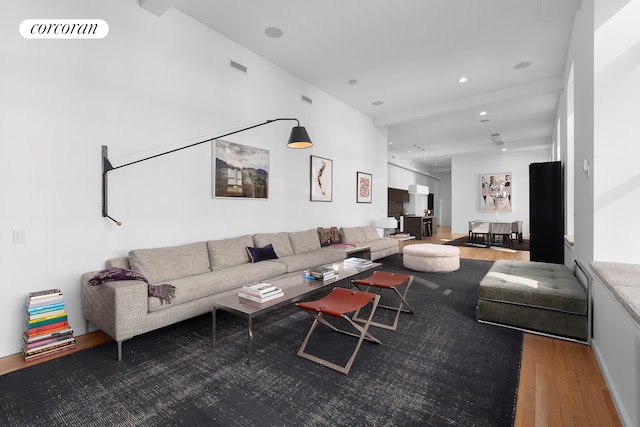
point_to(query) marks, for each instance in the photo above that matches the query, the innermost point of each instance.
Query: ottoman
(431, 258)
(537, 297)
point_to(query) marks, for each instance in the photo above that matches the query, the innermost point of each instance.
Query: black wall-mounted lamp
(299, 138)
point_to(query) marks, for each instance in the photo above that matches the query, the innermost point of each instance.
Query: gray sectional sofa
(368, 236)
(199, 272)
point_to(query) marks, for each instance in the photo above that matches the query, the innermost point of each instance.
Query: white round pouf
(431, 258)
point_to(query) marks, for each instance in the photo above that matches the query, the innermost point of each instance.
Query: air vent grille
(237, 66)
(306, 99)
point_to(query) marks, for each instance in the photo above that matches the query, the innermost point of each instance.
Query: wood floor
(560, 382)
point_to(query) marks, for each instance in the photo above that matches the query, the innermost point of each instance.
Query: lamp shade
(299, 138)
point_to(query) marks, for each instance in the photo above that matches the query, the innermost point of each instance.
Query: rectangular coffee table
(295, 289)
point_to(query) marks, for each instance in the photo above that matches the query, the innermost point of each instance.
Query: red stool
(338, 303)
(386, 280)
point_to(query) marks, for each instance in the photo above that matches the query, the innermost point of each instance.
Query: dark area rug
(440, 368)
(516, 245)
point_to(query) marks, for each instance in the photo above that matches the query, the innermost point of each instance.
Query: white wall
(150, 84)
(465, 182)
(604, 53)
(616, 189)
(581, 56)
(402, 177)
(445, 200)
(616, 177)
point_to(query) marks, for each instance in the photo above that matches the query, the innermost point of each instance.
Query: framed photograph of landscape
(363, 185)
(496, 192)
(321, 179)
(239, 171)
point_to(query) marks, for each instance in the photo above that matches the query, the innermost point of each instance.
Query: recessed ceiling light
(273, 32)
(390, 142)
(521, 65)
(462, 80)
(504, 149)
(483, 113)
(377, 103)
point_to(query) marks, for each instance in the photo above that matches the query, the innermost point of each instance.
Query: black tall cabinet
(546, 212)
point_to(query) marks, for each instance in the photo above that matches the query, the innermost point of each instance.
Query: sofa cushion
(261, 254)
(225, 253)
(304, 241)
(370, 233)
(121, 262)
(168, 263)
(280, 241)
(200, 286)
(352, 235)
(310, 259)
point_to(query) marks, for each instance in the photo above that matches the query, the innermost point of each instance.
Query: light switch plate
(19, 236)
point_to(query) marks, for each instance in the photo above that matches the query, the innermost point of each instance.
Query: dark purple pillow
(261, 254)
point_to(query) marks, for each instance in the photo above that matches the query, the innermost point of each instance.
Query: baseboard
(624, 417)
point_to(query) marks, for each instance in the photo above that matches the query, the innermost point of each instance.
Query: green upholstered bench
(537, 297)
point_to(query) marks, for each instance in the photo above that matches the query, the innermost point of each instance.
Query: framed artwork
(321, 179)
(496, 192)
(363, 192)
(239, 171)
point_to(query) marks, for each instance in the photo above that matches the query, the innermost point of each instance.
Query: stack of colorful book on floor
(319, 273)
(358, 264)
(48, 330)
(260, 292)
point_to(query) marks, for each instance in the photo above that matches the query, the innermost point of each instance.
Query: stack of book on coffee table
(260, 292)
(322, 274)
(358, 264)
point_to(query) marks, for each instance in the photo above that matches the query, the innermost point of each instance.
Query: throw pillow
(261, 254)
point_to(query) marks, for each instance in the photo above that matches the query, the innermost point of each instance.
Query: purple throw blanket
(163, 291)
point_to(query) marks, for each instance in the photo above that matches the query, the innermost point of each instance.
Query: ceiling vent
(237, 66)
(497, 139)
(306, 99)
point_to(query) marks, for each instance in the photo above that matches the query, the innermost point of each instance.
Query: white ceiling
(409, 54)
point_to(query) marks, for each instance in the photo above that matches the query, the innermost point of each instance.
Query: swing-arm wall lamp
(299, 138)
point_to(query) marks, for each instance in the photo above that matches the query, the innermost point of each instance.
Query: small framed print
(321, 179)
(363, 194)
